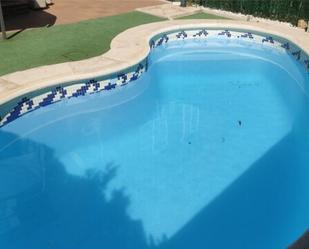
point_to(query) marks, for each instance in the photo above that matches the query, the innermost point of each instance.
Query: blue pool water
(208, 149)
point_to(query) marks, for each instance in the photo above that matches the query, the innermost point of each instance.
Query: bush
(283, 10)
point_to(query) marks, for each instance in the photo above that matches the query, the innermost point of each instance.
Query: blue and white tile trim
(90, 86)
(204, 34)
(25, 105)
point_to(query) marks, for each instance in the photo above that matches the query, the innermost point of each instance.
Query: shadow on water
(266, 207)
(41, 206)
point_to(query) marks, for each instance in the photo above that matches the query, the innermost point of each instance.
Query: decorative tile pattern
(201, 33)
(120, 79)
(247, 35)
(297, 54)
(182, 34)
(286, 46)
(270, 41)
(225, 32)
(26, 105)
(163, 39)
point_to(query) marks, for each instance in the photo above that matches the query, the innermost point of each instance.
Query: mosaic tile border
(58, 93)
(64, 91)
(267, 40)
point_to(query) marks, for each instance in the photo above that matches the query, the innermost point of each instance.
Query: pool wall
(28, 102)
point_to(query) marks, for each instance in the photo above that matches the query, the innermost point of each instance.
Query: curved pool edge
(127, 51)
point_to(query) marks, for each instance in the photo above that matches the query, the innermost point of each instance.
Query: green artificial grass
(202, 15)
(62, 43)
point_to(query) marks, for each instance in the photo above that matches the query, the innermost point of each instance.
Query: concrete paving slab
(170, 11)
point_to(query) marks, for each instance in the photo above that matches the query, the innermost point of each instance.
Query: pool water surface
(208, 149)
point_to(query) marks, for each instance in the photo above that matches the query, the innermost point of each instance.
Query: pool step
(302, 242)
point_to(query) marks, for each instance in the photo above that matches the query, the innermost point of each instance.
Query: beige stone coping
(127, 49)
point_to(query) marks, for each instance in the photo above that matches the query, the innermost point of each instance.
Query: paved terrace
(71, 11)
(170, 11)
(126, 50)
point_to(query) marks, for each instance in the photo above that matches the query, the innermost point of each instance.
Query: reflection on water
(44, 207)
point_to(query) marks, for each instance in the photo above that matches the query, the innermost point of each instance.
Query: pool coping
(127, 49)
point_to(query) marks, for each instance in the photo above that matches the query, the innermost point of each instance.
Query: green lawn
(61, 43)
(202, 15)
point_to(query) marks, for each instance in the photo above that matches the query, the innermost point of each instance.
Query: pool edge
(127, 51)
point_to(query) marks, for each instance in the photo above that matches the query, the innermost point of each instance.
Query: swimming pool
(207, 149)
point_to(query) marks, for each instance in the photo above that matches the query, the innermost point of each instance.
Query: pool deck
(71, 11)
(127, 49)
(170, 11)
